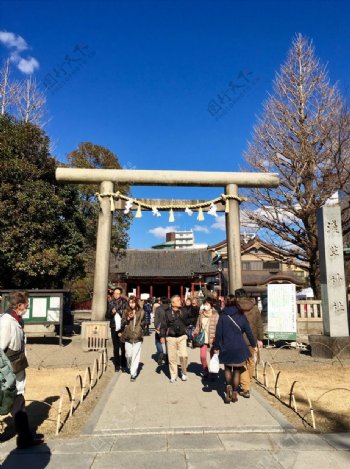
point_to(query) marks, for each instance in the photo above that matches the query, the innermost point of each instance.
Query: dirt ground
(327, 383)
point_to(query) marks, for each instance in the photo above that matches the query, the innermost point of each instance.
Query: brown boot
(228, 394)
(234, 397)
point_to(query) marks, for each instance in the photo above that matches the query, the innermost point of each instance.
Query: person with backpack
(12, 342)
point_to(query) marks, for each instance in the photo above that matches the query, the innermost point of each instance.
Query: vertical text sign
(281, 310)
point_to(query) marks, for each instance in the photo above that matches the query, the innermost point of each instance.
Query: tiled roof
(245, 246)
(163, 263)
(261, 277)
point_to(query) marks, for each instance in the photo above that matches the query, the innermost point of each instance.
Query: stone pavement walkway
(151, 423)
(153, 404)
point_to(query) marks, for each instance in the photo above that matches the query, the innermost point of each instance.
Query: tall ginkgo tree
(304, 135)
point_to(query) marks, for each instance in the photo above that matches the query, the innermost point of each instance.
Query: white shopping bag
(214, 365)
(118, 322)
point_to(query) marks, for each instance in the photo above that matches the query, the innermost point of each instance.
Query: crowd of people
(232, 329)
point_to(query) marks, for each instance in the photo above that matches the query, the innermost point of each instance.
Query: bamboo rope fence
(275, 390)
(83, 386)
(262, 378)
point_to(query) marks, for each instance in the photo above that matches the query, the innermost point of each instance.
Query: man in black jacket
(173, 330)
(115, 310)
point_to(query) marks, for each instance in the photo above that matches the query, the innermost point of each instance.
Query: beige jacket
(213, 320)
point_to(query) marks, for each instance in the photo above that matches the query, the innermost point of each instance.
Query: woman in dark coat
(229, 342)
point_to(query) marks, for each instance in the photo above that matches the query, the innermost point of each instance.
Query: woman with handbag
(204, 333)
(12, 342)
(230, 344)
(133, 324)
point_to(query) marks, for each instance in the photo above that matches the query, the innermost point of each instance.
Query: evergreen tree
(42, 231)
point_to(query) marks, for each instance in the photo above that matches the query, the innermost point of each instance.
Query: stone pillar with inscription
(333, 288)
(336, 341)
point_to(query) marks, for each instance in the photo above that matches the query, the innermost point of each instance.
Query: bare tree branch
(8, 88)
(31, 102)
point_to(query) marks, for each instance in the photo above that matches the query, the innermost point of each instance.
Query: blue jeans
(190, 330)
(159, 345)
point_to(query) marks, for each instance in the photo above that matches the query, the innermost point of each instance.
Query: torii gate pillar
(103, 252)
(232, 220)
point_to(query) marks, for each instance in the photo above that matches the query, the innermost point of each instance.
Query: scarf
(17, 317)
(207, 314)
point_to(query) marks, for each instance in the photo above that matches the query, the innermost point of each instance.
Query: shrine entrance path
(152, 404)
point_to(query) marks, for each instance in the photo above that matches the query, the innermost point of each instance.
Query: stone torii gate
(108, 177)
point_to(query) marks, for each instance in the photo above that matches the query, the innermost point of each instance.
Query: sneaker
(184, 377)
(132, 378)
(245, 394)
(173, 380)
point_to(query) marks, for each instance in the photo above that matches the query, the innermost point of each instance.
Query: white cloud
(13, 41)
(245, 222)
(17, 45)
(219, 224)
(203, 229)
(28, 65)
(161, 231)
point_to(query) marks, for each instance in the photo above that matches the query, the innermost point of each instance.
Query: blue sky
(150, 72)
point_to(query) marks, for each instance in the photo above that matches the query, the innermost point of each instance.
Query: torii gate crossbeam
(108, 177)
